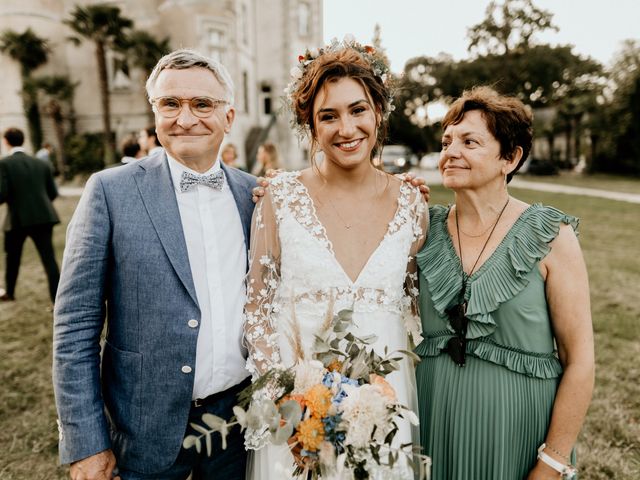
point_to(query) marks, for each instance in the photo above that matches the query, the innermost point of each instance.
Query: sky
(412, 28)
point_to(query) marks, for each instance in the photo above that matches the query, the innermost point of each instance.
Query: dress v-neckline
(484, 265)
(329, 244)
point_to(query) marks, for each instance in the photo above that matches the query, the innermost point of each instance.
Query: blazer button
(193, 323)
(186, 369)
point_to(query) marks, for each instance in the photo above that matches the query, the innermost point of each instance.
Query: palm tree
(144, 51)
(30, 51)
(103, 25)
(58, 91)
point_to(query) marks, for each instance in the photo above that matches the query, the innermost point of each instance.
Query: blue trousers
(228, 464)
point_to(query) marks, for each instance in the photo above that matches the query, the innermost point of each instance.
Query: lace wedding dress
(295, 278)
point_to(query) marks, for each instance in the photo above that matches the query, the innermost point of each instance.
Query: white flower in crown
(375, 58)
(349, 39)
(296, 73)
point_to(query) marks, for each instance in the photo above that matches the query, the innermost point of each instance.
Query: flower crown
(377, 60)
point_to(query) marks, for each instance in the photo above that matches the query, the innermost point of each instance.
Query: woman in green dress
(507, 358)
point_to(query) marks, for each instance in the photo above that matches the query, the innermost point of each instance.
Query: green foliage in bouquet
(336, 411)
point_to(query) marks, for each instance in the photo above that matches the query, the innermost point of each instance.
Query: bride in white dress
(340, 235)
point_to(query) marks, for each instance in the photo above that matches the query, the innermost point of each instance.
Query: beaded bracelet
(568, 471)
(553, 450)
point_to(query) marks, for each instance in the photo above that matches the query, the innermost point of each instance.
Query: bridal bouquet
(336, 411)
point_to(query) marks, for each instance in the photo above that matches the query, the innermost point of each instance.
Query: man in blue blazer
(158, 249)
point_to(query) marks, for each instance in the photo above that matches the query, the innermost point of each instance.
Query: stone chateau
(257, 40)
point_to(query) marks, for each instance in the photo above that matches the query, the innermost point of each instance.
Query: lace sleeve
(263, 279)
(420, 223)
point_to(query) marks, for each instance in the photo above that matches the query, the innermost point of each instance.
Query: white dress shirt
(217, 257)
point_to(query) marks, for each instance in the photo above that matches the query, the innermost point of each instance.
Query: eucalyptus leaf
(369, 339)
(207, 442)
(213, 421)
(224, 432)
(291, 412)
(199, 428)
(241, 416)
(410, 354)
(345, 316)
(283, 434)
(189, 441)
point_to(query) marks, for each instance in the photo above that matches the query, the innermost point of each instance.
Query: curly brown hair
(508, 119)
(330, 67)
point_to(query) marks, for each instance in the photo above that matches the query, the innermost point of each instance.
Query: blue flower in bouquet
(332, 434)
(339, 387)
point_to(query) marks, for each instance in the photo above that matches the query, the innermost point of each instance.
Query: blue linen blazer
(126, 262)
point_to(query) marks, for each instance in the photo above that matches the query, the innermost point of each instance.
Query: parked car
(539, 166)
(430, 161)
(395, 159)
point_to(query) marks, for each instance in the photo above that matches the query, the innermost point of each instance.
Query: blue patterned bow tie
(188, 180)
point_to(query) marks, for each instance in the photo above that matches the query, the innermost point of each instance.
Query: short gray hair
(185, 58)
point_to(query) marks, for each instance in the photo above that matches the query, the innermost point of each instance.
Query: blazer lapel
(156, 189)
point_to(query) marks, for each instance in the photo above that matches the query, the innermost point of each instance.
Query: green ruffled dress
(486, 420)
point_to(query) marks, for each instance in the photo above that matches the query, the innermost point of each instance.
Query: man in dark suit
(27, 186)
(158, 249)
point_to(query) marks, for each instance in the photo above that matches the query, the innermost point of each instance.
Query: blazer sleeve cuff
(82, 439)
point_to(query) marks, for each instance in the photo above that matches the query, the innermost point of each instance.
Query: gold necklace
(475, 236)
(344, 223)
(481, 234)
(493, 227)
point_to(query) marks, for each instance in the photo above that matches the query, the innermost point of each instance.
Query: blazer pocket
(122, 387)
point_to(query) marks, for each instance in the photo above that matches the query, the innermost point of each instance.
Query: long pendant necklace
(465, 278)
(457, 345)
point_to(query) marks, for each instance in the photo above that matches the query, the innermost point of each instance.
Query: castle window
(304, 19)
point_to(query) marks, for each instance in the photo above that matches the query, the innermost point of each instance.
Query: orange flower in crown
(375, 59)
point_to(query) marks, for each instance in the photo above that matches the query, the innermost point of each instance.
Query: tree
(618, 118)
(507, 27)
(31, 52)
(142, 50)
(58, 92)
(103, 25)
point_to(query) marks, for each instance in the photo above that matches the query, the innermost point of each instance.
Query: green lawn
(600, 181)
(609, 446)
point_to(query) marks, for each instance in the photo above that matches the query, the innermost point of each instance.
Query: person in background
(28, 188)
(507, 361)
(229, 155)
(130, 150)
(45, 153)
(267, 159)
(148, 141)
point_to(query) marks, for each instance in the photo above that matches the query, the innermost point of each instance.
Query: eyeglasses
(201, 107)
(457, 346)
